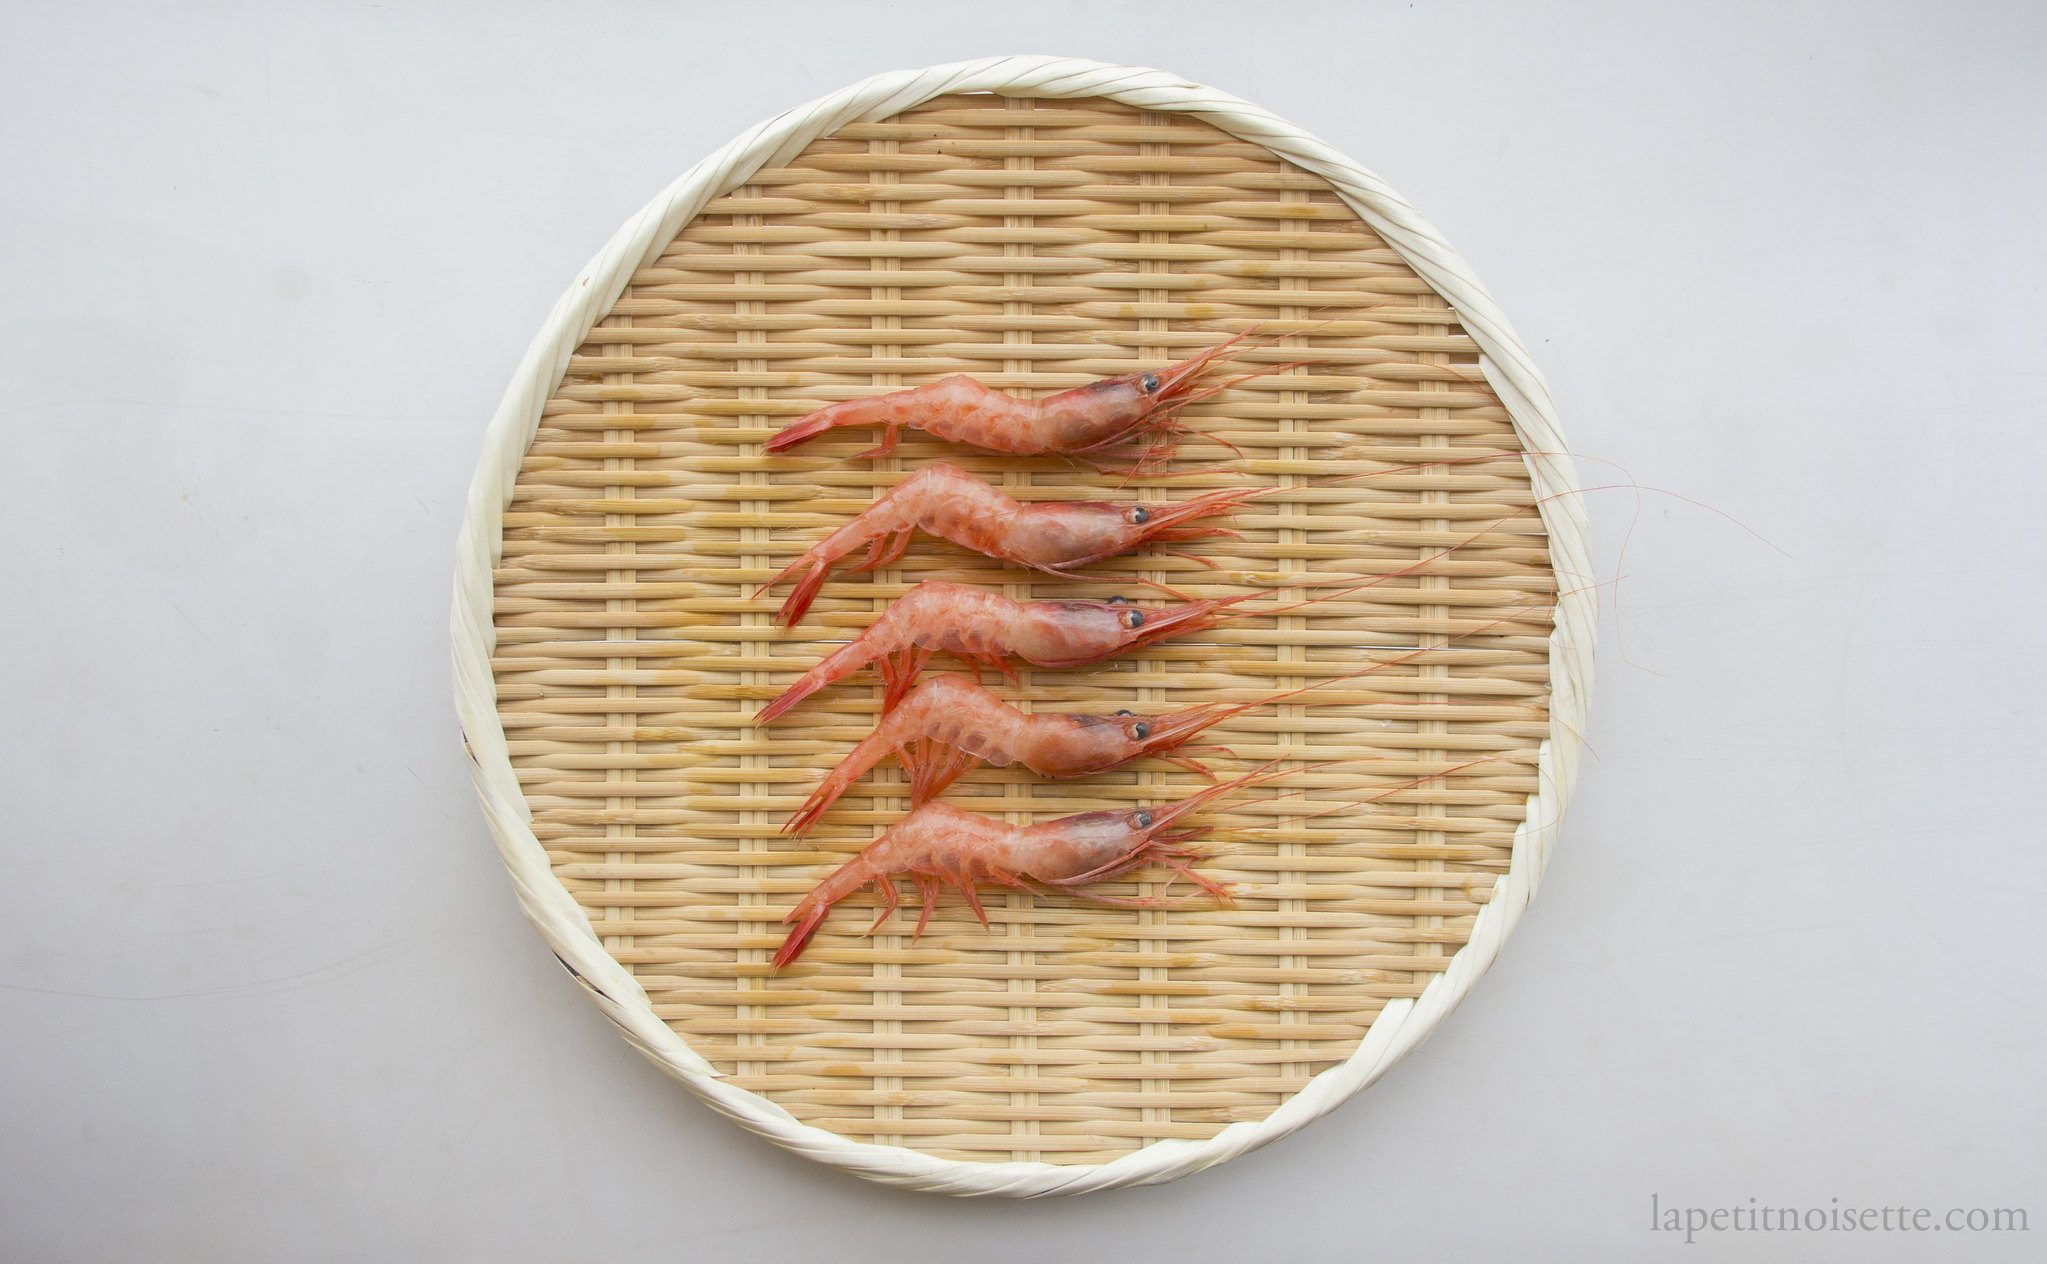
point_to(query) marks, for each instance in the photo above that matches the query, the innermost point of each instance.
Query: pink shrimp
(988, 629)
(1054, 536)
(947, 724)
(1080, 423)
(940, 843)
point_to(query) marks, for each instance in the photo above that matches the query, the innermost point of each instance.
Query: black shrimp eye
(1137, 618)
(1144, 820)
(1140, 730)
(1140, 515)
(1148, 383)
(1119, 601)
(1126, 713)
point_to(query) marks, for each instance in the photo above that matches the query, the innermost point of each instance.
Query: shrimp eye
(1143, 820)
(1126, 713)
(1140, 730)
(1119, 601)
(1136, 618)
(1148, 383)
(1140, 515)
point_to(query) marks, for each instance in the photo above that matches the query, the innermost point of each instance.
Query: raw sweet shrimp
(1079, 423)
(988, 629)
(1054, 537)
(944, 500)
(947, 724)
(939, 843)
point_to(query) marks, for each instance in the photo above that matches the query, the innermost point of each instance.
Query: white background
(264, 991)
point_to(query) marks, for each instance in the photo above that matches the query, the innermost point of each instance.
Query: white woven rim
(1403, 1024)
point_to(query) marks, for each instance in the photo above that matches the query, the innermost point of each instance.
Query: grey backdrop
(264, 992)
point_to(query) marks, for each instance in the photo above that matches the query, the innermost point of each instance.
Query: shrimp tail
(841, 663)
(810, 682)
(820, 800)
(864, 756)
(891, 412)
(798, 602)
(872, 750)
(800, 937)
(811, 910)
(800, 431)
(806, 590)
(899, 669)
(850, 412)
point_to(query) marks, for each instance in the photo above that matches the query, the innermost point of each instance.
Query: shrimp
(987, 629)
(1053, 537)
(947, 724)
(944, 500)
(1079, 423)
(940, 843)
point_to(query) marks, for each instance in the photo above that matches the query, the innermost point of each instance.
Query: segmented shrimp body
(1080, 422)
(987, 628)
(944, 500)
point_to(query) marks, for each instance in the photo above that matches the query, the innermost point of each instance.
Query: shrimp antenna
(1269, 771)
(1396, 660)
(1371, 798)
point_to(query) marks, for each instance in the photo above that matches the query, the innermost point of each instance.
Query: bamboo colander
(1038, 224)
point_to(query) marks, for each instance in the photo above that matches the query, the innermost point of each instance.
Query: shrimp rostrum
(1085, 422)
(1054, 536)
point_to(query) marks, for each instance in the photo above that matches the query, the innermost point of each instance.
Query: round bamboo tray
(1038, 223)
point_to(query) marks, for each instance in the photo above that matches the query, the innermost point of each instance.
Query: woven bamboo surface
(1036, 245)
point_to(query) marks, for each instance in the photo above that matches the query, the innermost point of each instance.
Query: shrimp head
(1077, 744)
(1070, 633)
